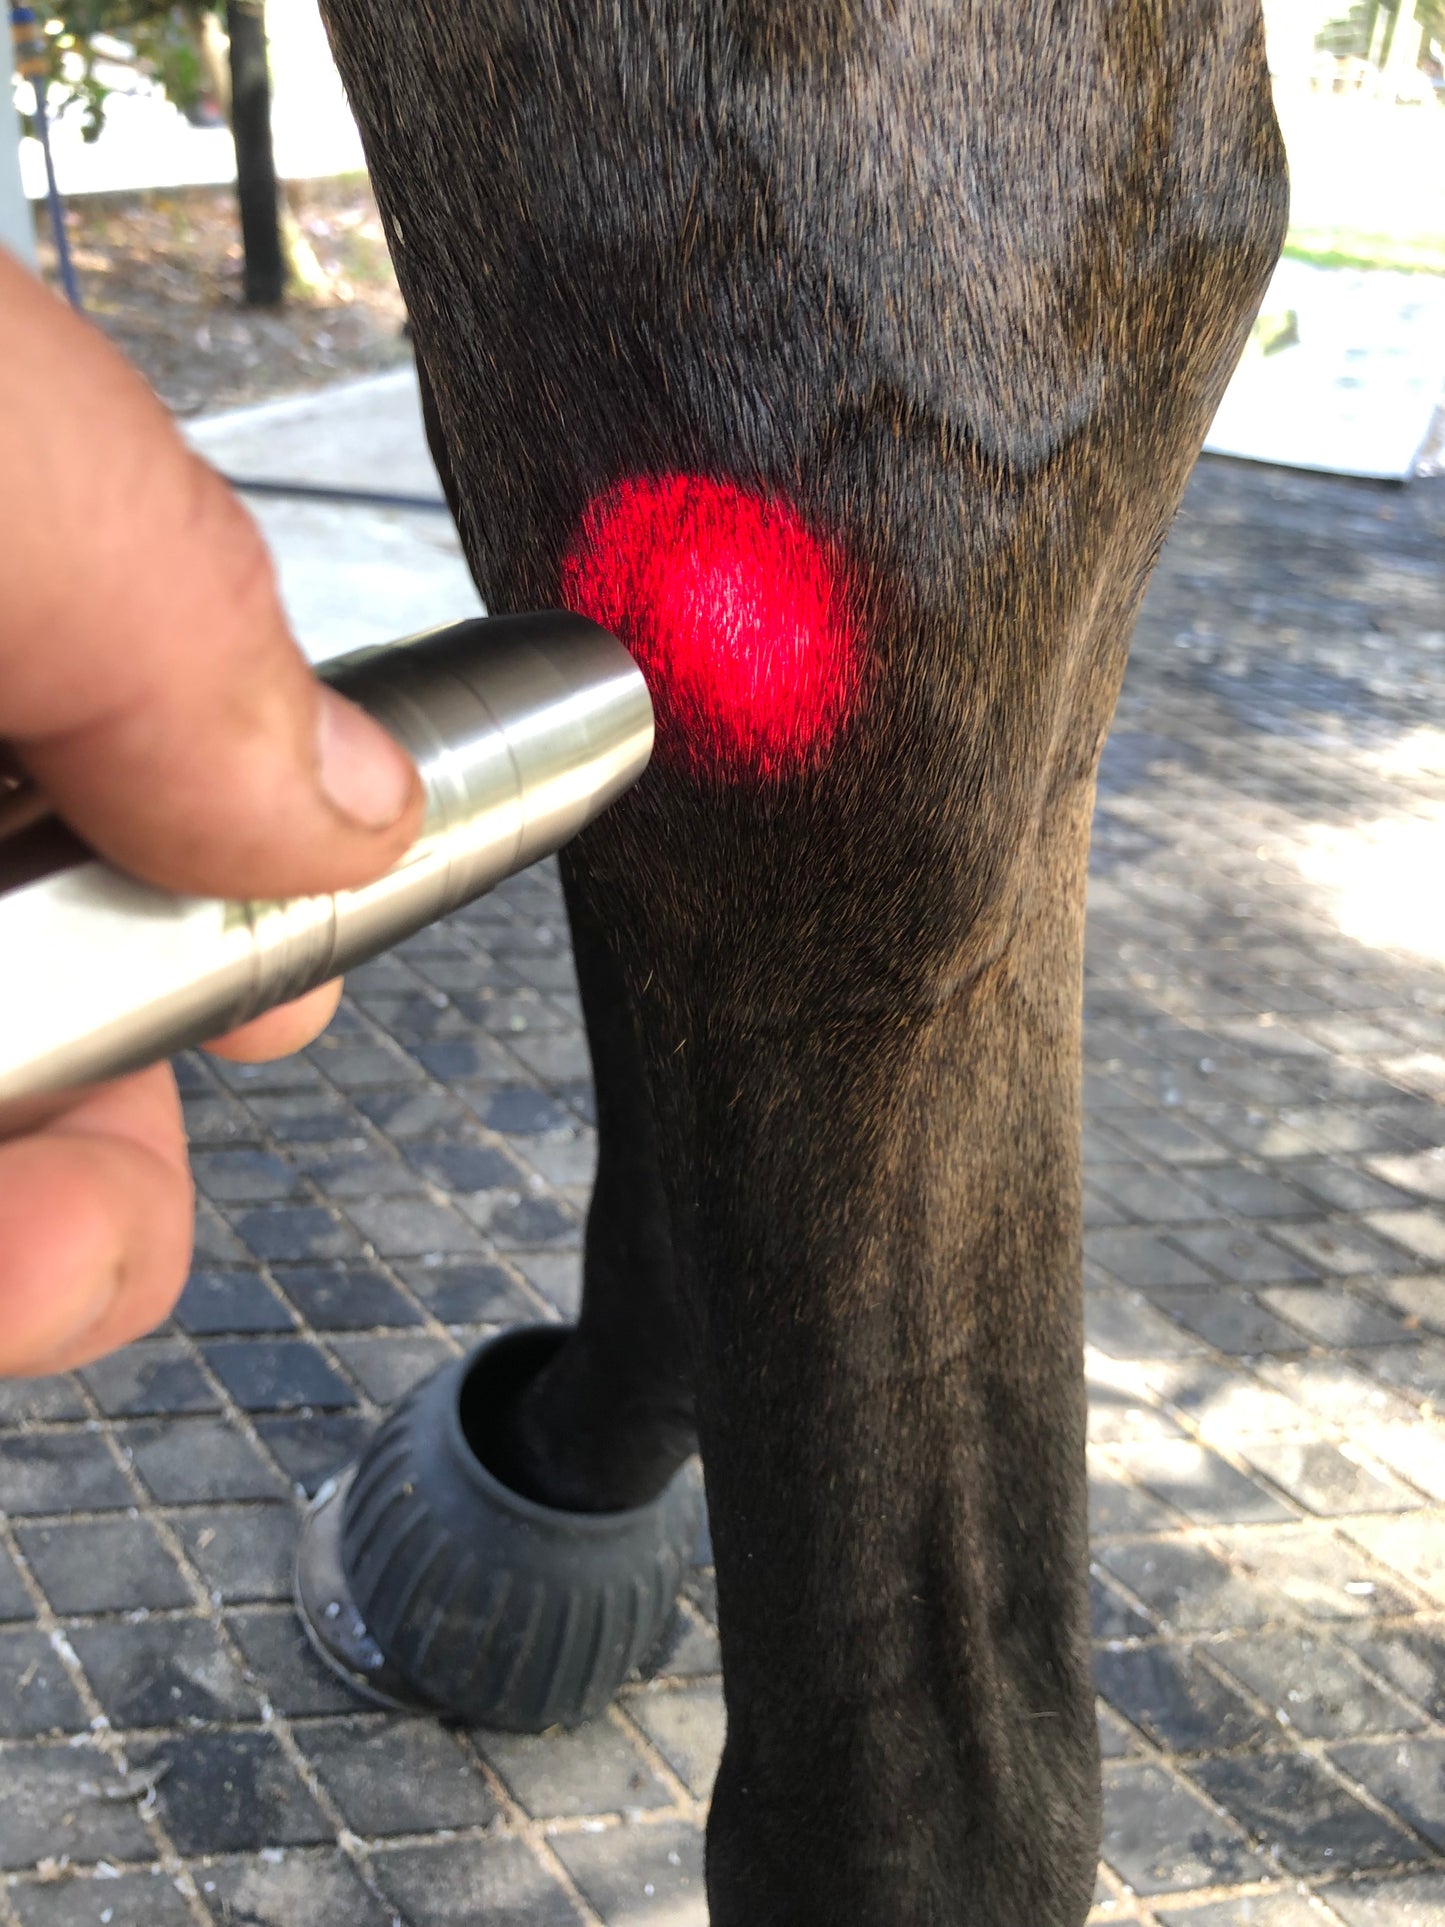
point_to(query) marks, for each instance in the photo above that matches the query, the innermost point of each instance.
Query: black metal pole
(30, 63)
(265, 266)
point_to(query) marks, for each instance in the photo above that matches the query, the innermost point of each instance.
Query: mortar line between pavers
(109, 1740)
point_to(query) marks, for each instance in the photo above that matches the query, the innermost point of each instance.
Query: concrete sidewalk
(1266, 1280)
(349, 575)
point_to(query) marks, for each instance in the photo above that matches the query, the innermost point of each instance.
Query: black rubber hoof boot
(428, 1584)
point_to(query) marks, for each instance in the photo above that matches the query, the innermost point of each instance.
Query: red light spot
(737, 614)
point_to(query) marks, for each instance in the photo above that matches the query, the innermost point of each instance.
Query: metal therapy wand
(523, 728)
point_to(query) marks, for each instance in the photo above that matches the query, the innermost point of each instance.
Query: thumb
(148, 679)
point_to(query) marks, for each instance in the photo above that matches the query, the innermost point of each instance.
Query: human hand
(150, 687)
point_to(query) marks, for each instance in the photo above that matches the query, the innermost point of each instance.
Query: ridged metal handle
(523, 728)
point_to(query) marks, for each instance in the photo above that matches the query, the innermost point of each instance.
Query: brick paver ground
(1266, 1269)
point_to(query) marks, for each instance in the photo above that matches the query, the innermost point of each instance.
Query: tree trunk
(265, 268)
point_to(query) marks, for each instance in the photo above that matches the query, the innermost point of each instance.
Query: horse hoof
(428, 1585)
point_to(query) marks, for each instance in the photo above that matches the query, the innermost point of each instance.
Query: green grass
(1351, 248)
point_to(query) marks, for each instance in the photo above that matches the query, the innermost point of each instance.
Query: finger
(290, 1027)
(147, 675)
(95, 1226)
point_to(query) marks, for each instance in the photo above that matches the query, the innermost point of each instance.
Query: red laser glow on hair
(738, 615)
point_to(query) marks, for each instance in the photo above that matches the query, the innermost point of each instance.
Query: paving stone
(103, 1566)
(1244, 1257)
(367, 1067)
(230, 1792)
(463, 1166)
(294, 1889)
(1176, 1700)
(213, 1241)
(286, 1670)
(162, 1672)
(157, 1375)
(1290, 1803)
(1412, 1545)
(461, 1882)
(1318, 1573)
(1169, 1138)
(1416, 1901)
(1116, 1738)
(346, 1297)
(1421, 1233)
(15, 1601)
(1421, 1171)
(1321, 1478)
(596, 1768)
(1408, 1776)
(245, 1176)
(1420, 1297)
(1224, 1402)
(216, 1302)
(391, 1775)
(311, 1448)
(686, 1727)
(406, 1115)
(1341, 1249)
(41, 1401)
(388, 1367)
(1333, 1317)
(280, 1074)
(218, 1122)
(184, 1461)
(356, 1168)
(1190, 1588)
(1412, 1658)
(36, 1694)
(530, 1113)
(294, 1233)
(318, 1117)
(413, 1228)
(1160, 1837)
(1245, 1910)
(1112, 1617)
(1138, 1257)
(636, 1877)
(465, 1060)
(1250, 1194)
(117, 1900)
(1153, 1196)
(1417, 1368)
(277, 1374)
(1117, 1506)
(1313, 1685)
(1126, 1325)
(556, 1276)
(1231, 1321)
(242, 1552)
(1344, 1187)
(1198, 1483)
(1334, 1392)
(568, 1162)
(59, 1472)
(525, 1223)
(63, 1799)
(459, 1293)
